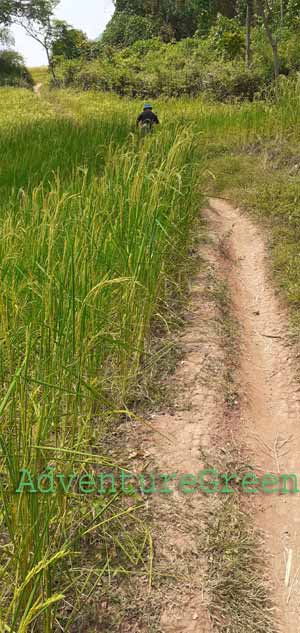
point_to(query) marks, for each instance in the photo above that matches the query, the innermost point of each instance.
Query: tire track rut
(268, 377)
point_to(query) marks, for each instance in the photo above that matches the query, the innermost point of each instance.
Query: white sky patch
(91, 16)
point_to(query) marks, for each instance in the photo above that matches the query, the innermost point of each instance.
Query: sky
(91, 16)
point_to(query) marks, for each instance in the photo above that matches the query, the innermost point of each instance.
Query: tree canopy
(66, 41)
(183, 17)
(10, 10)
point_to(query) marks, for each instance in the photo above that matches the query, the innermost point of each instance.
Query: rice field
(96, 225)
(94, 228)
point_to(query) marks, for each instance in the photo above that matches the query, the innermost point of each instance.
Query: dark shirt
(147, 115)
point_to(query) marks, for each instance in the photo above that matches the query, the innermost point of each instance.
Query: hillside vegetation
(226, 50)
(153, 68)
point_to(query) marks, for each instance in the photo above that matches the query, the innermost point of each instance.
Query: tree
(12, 9)
(7, 9)
(267, 16)
(66, 41)
(180, 18)
(6, 38)
(35, 17)
(249, 18)
(227, 37)
(126, 28)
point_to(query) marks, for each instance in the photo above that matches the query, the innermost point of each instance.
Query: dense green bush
(13, 71)
(214, 64)
(233, 80)
(228, 37)
(152, 68)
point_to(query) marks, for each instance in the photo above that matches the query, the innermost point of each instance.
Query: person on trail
(147, 118)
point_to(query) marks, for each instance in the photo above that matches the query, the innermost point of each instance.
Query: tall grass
(95, 225)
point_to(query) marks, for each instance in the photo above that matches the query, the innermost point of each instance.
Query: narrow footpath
(268, 378)
(200, 426)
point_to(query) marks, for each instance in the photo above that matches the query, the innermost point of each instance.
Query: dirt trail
(37, 89)
(179, 444)
(270, 398)
(200, 425)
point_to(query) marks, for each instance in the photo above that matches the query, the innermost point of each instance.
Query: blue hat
(147, 106)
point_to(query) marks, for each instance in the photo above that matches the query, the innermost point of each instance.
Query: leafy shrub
(214, 65)
(167, 71)
(227, 37)
(13, 71)
(289, 52)
(292, 16)
(233, 80)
